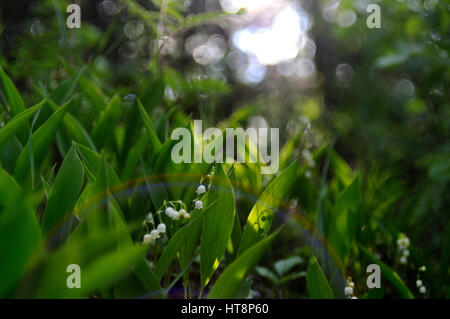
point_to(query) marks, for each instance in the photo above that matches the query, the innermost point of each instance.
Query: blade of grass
(176, 241)
(316, 282)
(234, 275)
(217, 225)
(262, 213)
(390, 275)
(41, 141)
(19, 122)
(65, 191)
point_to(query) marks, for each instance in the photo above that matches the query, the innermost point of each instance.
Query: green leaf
(107, 121)
(292, 276)
(217, 226)
(20, 121)
(95, 162)
(316, 282)
(155, 142)
(177, 240)
(390, 275)
(20, 237)
(155, 188)
(9, 189)
(90, 90)
(266, 273)
(40, 143)
(65, 88)
(108, 268)
(134, 155)
(345, 219)
(75, 128)
(341, 169)
(12, 94)
(67, 187)
(262, 213)
(234, 275)
(101, 261)
(284, 265)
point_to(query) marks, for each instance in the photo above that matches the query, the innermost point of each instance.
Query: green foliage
(317, 284)
(86, 174)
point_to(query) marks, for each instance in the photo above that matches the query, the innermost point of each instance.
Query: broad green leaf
(217, 225)
(341, 169)
(14, 99)
(65, 191)
(109, 268)
(20, 121)
(156, 144)
(162, 127)
(90, 90)
(155, 188)
(102, 131)
(262, 213)
(284, 265)
(267, 273)
(94, 162)
(345, 219)
(9, 188)
(390, 275)
(177, 240)
(40, 143)
(316, 282)
(136, 152)
(292, 276)
(65, 88)
(10, 153)
(101, 262)
(234, 275)
(75, 128)
(20, 237)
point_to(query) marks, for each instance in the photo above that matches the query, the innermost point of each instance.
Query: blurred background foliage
(314, 69)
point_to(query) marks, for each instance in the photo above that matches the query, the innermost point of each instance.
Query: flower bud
(201, 190)
(403, 260)
(161, 228)
(176, 215)
(348, 291)
(147, 239)
(170, 212)
(198, 204)
(154, 234)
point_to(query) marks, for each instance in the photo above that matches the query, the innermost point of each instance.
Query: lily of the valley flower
(348, 291)
(198, 204)
(201, 190)
(170, 212)
(154, 234)
(147, 239)
(161, 228)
